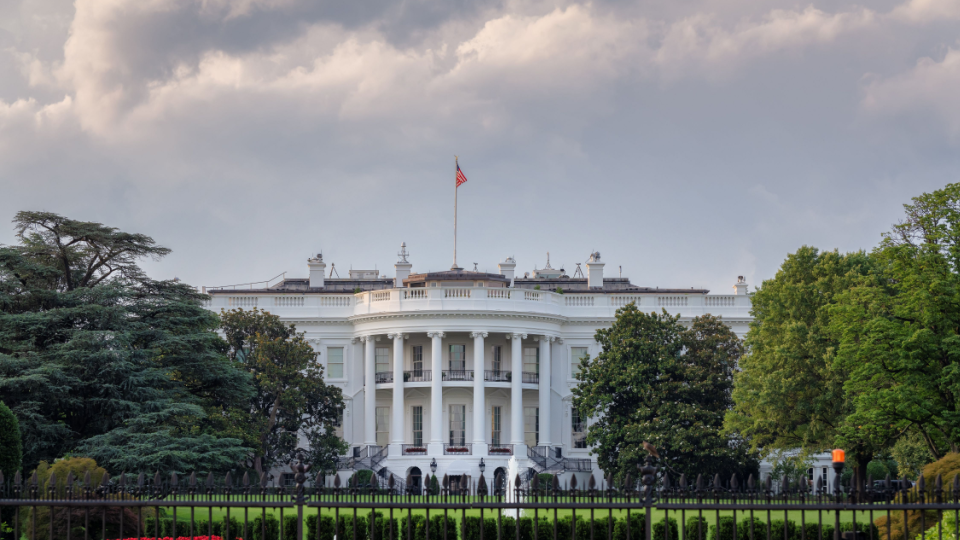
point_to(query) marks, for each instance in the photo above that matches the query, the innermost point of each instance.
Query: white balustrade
(533, 296)
(288, 301)
(456, 293)
(672, 301)
(414, 294)
(578, 301)
(501, 294)
(242, 301)
(335, 301)
(620, 300)
(719, 301)
(380, 296)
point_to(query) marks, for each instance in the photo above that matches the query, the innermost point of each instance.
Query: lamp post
(838, 458)
(433, 466)
(482, 465)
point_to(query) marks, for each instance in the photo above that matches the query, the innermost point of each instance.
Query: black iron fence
(658, 507)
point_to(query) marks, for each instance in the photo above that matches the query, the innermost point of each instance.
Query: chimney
(740, 287)
(402, 267)
(507, 267)
(595, 271)
(316, 266)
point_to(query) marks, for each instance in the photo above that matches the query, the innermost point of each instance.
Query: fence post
(300, 470)
(649, 473)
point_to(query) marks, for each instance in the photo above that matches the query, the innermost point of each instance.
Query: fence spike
(174, 479)
(86, 478)
(392, 481)
(228, 481)
(556, 482)
(336, 481)
(446, 482)
(886, 482)
(106, 479)
(820, 483)
(156, 479)
(123, 480)
(17, 480)
(463, 482)
(869, 481)
(209, 479)
(610, 481)
(627, 484)
(573, 482)
(481, 484)
(535, 483)
(1, 479)
(140, 480)
(666, 481)
(192, 481)
(319, 482)
(516, 481)
(592, 483)
(785, 484)
(768, 483)
(734, 483)
(716, 481)
(751, 482)
(938, 483)
(246, 478)
(356, 480)
(956, 484)
(373, 482)
(52, 481)
(264, 480)
(33, 479)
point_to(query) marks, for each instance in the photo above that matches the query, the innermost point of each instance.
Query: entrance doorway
(416, 480)
(499, 480)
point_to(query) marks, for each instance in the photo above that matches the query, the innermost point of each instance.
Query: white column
(396, 430)
(436, 393)
(369, 392)
(545, 417)
(479, 403)
(516, 391)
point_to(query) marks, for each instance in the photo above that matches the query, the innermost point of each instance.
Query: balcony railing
(458, 375)
(417, 375)
(530, 377)
(384, 377)
(413, 449)
(500, 450)
(465, 449)
(496, 375)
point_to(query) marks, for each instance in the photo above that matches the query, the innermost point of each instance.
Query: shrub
(345, 528)
(289, 528)
(697, 528)
(434, 485)
(472, 529)
(320, 527)
(659, 530)
(261, 529)
(948, 529)
(437, 524)
(947, 467)
(417, 524)
(637, 530)
(109, 516)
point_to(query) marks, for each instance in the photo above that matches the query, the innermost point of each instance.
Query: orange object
(839, 456)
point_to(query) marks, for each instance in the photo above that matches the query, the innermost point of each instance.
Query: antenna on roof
(475, 267)
(621, 270)
(578, 272)
(333, 269)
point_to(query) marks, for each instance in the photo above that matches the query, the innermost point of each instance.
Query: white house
(460, 367)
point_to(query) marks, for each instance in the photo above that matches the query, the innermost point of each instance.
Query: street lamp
(433, 466)
(482, 465)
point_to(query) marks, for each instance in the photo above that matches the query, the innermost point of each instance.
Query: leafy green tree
(11, 449)
(793, 465)
(98, 359)
(911, 454)
(657, 381)
(899, 333)
(788, 393)
(291, 401)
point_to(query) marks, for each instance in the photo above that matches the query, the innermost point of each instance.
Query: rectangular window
(417, 425)
(578, 428)
(531, 426)
(383, 359)
(418, 360)
(335, 362)
(458, 357)
(497, 358)
(577, 354)
(495, 422)
(531, 359)
(458, 425)
(383, 426)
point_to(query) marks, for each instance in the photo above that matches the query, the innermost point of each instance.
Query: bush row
(699, 528)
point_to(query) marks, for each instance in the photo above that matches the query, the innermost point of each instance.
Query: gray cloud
(689, 142)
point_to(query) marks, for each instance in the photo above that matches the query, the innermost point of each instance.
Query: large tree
(294, 413)
(97, 358)
(788, 393)
(658, 381)
(900, 334)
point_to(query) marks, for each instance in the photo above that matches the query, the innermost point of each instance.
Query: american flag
(460, 177)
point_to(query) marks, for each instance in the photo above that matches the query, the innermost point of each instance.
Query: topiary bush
(947, 467)
(260, 528)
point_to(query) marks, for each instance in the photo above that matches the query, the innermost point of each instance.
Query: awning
(459, 467)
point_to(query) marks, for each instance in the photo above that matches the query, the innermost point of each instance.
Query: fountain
(513, 469)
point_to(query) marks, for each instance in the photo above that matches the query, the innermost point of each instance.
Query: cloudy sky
(688, 141)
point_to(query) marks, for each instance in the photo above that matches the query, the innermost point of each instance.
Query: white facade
(457, 366)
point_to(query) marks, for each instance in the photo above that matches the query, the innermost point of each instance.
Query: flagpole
(456, 164)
